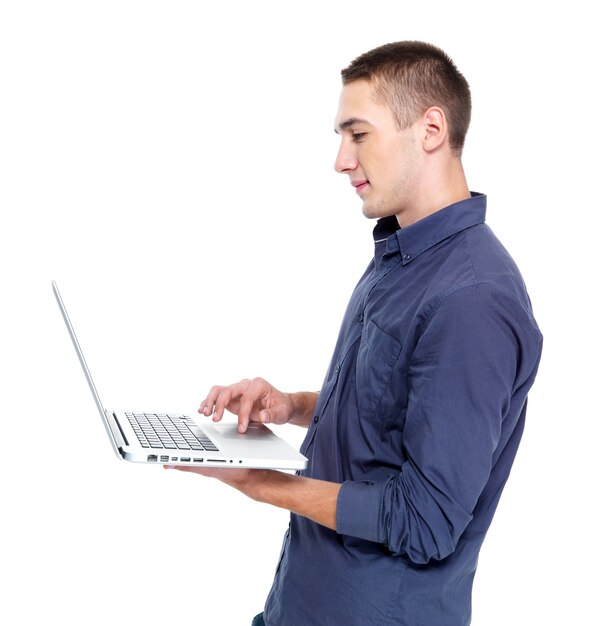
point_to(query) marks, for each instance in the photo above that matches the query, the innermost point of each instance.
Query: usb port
(185, 459)
(198, 460)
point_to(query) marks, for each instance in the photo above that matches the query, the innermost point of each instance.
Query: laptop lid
(91, 384)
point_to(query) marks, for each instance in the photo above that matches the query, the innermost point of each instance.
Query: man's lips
(360, 185)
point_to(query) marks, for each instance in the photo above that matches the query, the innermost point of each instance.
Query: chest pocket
(374, 366)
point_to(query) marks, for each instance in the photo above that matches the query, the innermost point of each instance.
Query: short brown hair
(412, 76)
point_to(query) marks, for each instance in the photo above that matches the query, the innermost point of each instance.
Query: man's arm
(315, 499)
(468, 377)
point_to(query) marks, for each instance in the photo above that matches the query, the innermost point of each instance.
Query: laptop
(159, 437)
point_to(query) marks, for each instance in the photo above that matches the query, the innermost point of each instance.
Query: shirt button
(406, 256)
(361, 318)
(316, 419)
(337, 368)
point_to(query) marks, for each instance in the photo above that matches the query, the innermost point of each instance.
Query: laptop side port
(164, 459)
(152, 458)
(185, 459)
(198, 460)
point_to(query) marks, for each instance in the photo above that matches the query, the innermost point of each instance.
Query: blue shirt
(419, 417)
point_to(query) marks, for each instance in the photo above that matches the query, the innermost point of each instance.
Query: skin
(409, 173)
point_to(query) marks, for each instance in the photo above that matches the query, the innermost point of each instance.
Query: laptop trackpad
(229, 432)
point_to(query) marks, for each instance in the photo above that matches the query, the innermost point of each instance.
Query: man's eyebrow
(350, 122)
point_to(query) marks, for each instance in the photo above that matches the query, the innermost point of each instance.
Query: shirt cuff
(358, 509)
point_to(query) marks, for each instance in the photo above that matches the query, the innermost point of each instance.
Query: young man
(415, 429)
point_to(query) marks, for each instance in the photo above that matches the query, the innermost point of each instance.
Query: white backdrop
(170, 164)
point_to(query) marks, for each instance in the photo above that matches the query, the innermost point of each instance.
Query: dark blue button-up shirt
(419, 417)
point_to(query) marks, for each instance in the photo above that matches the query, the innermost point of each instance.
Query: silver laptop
(177, 439)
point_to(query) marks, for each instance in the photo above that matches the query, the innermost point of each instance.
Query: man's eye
(358, 136)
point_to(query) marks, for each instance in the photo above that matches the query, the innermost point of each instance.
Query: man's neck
(439, 189)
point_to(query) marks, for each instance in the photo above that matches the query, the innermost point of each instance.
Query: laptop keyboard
(160, 430)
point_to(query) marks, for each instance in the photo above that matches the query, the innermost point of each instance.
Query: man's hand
(258, 401)
(235, 477)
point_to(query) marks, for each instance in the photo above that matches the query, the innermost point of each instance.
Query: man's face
(380, 160)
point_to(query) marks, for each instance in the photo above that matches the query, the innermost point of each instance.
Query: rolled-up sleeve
(474, 359)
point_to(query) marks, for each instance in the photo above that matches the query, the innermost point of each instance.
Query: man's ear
(434, 129)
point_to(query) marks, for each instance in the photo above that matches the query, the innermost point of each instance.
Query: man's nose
(346, 159)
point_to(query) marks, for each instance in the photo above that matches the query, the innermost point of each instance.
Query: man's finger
(227, 395)
(206, 407)
(244, 414)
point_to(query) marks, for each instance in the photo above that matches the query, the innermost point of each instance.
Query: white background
(170, 164)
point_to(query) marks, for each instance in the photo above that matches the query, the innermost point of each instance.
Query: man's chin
(371, 212)
(377, 211)
(368, 211)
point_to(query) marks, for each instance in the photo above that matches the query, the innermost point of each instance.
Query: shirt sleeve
(475, 359)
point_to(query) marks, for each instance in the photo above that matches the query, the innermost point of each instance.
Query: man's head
(403, 115)
(410, 77)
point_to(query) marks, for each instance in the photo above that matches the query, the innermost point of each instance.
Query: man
(413, 434)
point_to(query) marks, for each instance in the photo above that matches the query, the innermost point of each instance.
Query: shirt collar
(415, 239)
(385, 227)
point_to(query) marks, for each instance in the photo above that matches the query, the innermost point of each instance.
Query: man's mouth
(360, 185)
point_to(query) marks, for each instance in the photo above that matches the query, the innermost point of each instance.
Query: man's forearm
(315, 499)
(304, 403)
